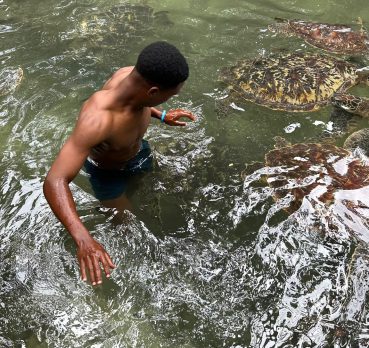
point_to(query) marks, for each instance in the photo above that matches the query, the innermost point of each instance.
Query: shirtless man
(108, 141)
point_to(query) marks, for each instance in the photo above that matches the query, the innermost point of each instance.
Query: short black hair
(161, 63)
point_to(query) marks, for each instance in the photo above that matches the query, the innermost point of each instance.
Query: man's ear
(152, 91)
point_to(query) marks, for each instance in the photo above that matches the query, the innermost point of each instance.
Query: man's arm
(156, 113)
(57, 192)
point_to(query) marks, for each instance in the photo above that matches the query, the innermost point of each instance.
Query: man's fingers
(178, 113)
(91, 270)
(178, 123)
(97, 268)
(110, 262)
(190, 116)
(82, 266)
(92, 260)
(105, 262)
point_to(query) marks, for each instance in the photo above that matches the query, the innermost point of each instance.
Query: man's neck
(128, 94)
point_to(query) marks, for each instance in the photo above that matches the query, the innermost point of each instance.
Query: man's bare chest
(125, 135)
(123, 142)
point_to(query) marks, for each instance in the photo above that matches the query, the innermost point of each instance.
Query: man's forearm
(60, 199)
(156, 113)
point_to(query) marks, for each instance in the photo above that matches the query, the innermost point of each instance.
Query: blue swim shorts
(111, 183)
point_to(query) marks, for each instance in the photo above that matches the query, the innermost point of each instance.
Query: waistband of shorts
(95, 165)
(144, 144)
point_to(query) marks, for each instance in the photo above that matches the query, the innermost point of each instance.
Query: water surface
(207, 258)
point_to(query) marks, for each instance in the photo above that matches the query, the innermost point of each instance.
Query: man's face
(158, 96)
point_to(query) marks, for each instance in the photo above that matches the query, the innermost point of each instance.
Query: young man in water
(108, 141)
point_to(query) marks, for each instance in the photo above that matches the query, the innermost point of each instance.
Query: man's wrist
(162, 116)
(81, 237)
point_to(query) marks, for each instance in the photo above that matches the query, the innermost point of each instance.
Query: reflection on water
(209, 257)
(319, 267)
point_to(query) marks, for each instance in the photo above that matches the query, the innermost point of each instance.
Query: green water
(205, 259)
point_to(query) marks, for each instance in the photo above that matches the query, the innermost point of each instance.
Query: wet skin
(109, 129)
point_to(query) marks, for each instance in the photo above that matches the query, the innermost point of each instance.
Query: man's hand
(90, 254)
(172, 117)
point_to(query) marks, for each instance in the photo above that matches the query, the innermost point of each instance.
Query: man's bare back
(109, 133)
(126, 126)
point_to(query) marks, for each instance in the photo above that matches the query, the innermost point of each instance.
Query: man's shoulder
(117, 77)
(125, 69)
(95, 112)
(97, 103)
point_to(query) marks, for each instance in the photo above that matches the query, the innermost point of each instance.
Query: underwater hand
(90, 254)
(172, 117)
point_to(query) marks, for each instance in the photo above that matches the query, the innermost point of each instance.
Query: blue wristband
(162, 118)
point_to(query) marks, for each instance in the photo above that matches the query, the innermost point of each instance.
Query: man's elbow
(48, 184)
(52, 182)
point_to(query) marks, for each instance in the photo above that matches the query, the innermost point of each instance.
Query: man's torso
(127, 128)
